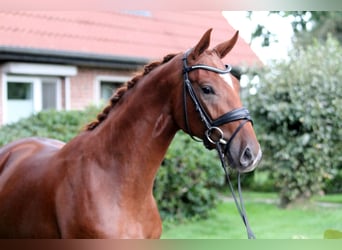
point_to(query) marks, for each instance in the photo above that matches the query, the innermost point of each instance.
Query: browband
(187, 69)
(210, 68)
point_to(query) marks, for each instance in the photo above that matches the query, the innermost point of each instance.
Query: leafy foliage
(305, 25)
(334, 184)
(184, 185)
(60, 125)
(332, 234)
(298, 107)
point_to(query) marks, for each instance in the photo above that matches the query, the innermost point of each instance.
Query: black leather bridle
(211, 125)
(213, 134)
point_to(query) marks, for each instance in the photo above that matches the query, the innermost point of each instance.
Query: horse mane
(123, 89)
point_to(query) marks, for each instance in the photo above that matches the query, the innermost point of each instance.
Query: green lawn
(267, 220)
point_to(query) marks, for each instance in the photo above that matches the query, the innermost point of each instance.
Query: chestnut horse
(99, 185)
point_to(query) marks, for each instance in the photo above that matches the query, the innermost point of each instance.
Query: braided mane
(123, 89)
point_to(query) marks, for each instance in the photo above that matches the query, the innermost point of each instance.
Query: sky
(276, 24)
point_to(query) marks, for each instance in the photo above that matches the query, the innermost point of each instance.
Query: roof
(117, 35)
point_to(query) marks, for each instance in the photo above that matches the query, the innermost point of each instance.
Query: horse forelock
(119, 93)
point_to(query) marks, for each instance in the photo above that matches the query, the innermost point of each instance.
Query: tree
(297, 111)
(305, 25)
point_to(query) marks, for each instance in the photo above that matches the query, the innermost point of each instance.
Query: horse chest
(111, 224)
(101, 215)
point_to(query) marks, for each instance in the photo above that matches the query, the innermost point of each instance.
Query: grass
(267, 220)
(331, 198)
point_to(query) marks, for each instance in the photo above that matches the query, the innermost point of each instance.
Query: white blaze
(227, 79)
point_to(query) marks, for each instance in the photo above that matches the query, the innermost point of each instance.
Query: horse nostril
(246, 157)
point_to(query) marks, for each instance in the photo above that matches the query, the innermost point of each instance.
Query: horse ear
(222, 49)
(202, 45)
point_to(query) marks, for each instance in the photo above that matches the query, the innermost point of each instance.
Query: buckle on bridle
(215, 135)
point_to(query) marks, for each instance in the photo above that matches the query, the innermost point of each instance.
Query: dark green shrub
(334, 184)
(186, 181)
(261, 181)
(60, 125)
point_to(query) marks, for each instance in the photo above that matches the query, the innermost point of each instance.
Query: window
(107, 89)
(19, 90)
(28, 95)
(19, 99)
(106, 85)
(50, 94)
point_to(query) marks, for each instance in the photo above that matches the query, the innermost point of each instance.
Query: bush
(334, 185)
(298, 107)
(186, 181)
(261, 181)
(60, 125)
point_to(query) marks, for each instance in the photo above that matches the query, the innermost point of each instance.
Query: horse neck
(131, 142)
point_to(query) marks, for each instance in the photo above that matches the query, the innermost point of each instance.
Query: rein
(213, 134)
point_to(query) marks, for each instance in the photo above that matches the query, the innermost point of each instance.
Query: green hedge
(184, 185)
(60, 125)
(186, 182)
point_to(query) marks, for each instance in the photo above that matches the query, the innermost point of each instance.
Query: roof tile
(119, 33)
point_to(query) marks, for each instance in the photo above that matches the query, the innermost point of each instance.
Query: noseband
(213, 134)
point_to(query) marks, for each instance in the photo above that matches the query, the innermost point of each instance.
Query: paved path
(276, 201)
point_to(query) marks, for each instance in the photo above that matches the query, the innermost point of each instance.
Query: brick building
(68, 60)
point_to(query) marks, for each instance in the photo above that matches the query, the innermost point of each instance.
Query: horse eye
(207, 90)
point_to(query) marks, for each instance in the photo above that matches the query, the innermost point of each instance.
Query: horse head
(212, 108)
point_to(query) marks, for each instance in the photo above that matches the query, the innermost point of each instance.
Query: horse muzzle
(244, 160)
(248, 160)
